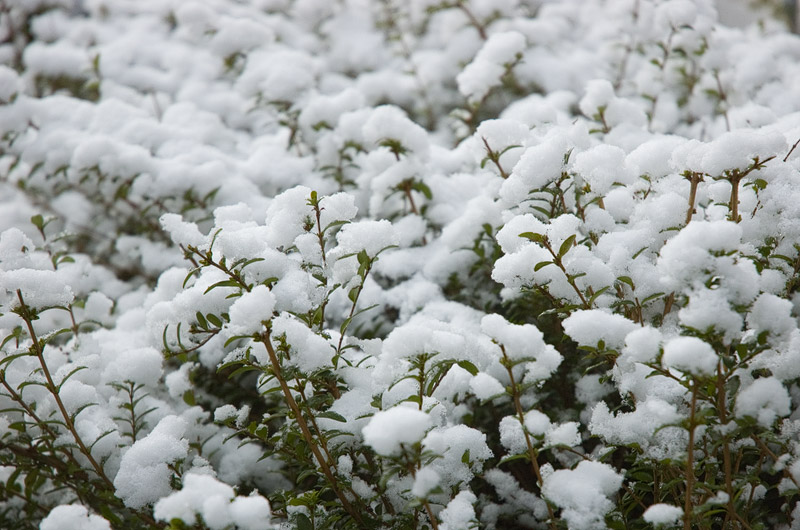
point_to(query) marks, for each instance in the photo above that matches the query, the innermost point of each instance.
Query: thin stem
(38, 348)
(791, 150)
(306, 432)
(353, 308)
(722, 411)
(570, 279)
(494, 156)
(734, 204)
(532, 453)
(723, 99)
(687, 510)
(695, 178)
(473, 20)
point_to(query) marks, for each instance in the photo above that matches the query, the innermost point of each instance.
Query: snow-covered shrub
(398, 264)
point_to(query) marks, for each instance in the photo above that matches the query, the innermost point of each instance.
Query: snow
(73, 517)
(10, 84)
(40, 288)
(144, 476)
(663, 514)
(390, 123)
(537, 423)
(519, 341)
(564, 434)
(588, 327)
(131, 129)
(181, 232)
(489, 65)
(772, 314)
(459, 512)
(642, 345)
(582, 493)
(250, 310)
(599, 93)
(425, 480)
(389, 431)
(205, 496)
(484, 386)
(308, 350)
(765, 399)
(637, 427)
(138, 365)
(370, 236)
(690, 355)
(602, 166)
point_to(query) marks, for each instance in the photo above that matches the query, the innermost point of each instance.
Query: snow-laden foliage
(398, 264)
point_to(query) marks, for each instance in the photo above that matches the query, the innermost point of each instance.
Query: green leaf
(532, 236)
(512, 458)
(652, 297)
(423, 189)
(223, 283)
(331, 415)
(566, 246)
(598, 293)
(38, 221)
(469, 367)
(214, 319)
(303, 522)
(201, 320)
(627, 281)
(414, 398)
(541, 265)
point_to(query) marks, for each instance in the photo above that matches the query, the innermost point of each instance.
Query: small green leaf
(541, 265)
(38, 221)
(598, 293)
(627, 280)
(423, 189)
(566, 246)
(303, 522)
(532, 236)
(512, 458)
(331, 415)
(469, 367)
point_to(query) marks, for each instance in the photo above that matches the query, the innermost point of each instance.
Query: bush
(445, 265)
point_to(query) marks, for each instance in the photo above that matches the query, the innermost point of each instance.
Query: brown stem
(628, 49)
(735, 179)
(321, 239)
(38, 348)
(687, 510)
(663, 64)
(775, 457)
(722, 410)
(431, 517)
(532, 453)
(353, 309)
(494, 157)
(570, 280)
(323, 443)
(695, 178)
(301, 423)
(208, 259)
(791, 150)
(723, 98)
(473, 20)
